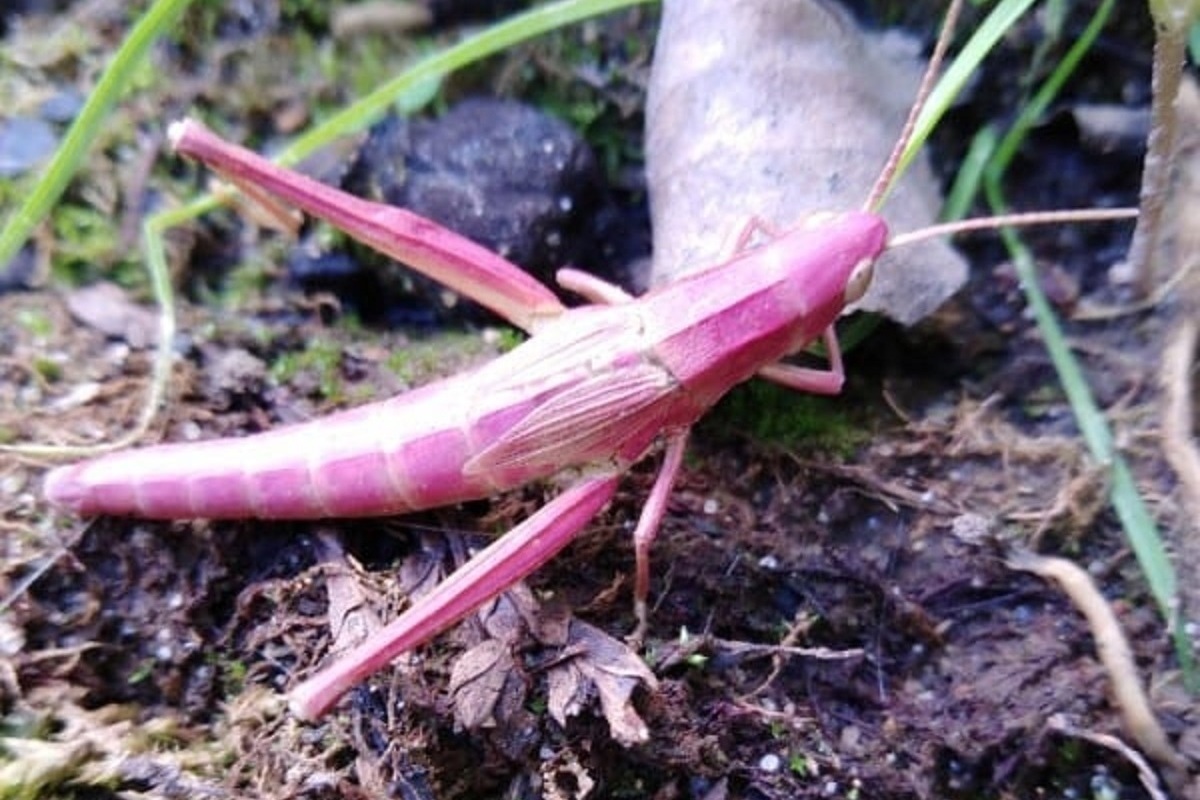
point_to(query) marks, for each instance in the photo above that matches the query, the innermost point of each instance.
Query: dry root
(1114, 652)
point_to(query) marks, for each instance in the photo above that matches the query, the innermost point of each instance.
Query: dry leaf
(483, 682)
(604, 667)
(770, 109)
(352, 618)
(487, 686)
(378, 17)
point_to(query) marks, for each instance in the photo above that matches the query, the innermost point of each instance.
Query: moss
(14, 190)
(311, 13)
(142, 672)
(1043, 401)
(803, 765)
(321, 362)
(246, 283)
(36, 322)
(47, 369)
(605, 108)
(85, 242)
(233, 675)
(508, 338)
(399, 363)
(422, 360)
(772, 413)
(365, 64)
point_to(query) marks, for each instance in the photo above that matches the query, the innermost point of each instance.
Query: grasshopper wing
(593, 420)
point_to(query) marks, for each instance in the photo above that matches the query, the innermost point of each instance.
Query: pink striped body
(341, 465)
(461, 438)
(591, 390)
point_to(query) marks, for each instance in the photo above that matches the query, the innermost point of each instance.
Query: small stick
(1172, 20)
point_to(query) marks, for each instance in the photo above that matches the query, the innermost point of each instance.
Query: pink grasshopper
(590, 393)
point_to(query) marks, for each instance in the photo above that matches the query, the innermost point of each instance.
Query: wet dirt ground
(833, 615)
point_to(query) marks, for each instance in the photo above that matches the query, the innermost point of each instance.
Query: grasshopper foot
(637, 637)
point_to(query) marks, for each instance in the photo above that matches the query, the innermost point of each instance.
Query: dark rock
(505, 175)
(18, 273)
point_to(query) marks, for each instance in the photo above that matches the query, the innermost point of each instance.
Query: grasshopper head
(849, 234)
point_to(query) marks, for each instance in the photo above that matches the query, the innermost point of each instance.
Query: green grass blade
(965, 65)
(1140, 529)
(1046, 94)
(83, 130)
(1139, 526)
(494, 39)
(970, 175)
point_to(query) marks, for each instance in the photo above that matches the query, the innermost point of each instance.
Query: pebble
(25, 142)
(770, 763)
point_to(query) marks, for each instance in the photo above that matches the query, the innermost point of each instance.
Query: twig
(1175, 376)
(1179, 352)
(800, 625)
(1173, 19)
(732, 647)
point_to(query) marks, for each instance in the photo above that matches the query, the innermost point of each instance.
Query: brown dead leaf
(421, 572)
(483, 683)
(352, 618)
(769, 109)
(487, 686)
(508, 616)
(601, 666)
(378, 17)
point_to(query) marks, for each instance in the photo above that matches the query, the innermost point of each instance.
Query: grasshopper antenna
(884, 181)
(1020, 220)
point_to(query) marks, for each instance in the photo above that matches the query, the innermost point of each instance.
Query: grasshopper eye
(859, 280)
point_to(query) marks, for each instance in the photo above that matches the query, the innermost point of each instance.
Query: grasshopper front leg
(805, 379)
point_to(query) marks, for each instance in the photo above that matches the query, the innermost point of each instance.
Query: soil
(833, 616)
